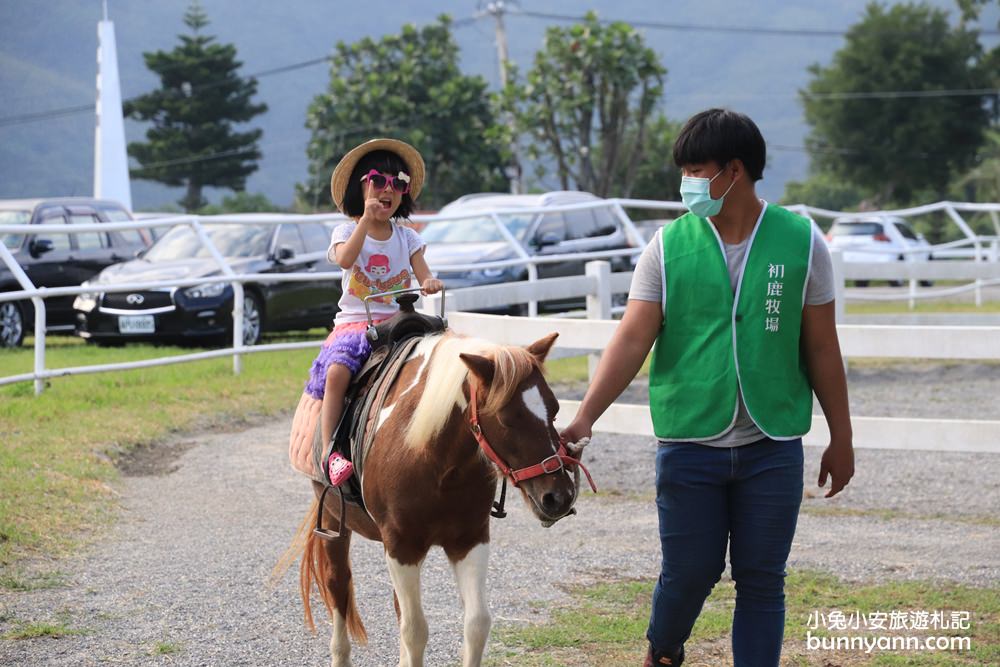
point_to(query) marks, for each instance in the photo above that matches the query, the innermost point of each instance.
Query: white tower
(111, 179)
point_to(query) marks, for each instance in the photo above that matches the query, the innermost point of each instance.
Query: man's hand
(838, 463)
(576, 436)
(431, 286)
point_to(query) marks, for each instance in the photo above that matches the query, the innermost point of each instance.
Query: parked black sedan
(59, 259)
(204, 311)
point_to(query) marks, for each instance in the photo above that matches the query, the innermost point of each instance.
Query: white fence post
(598, 304)
(39, 344)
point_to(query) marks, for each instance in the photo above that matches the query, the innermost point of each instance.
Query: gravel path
(181, 578)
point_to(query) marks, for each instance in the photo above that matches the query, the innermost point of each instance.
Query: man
(737, 296)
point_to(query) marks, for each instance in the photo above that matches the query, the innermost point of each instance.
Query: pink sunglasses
(400, 183)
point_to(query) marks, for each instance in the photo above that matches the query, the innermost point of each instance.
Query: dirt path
(181, 578)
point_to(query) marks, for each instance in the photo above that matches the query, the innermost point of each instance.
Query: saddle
(392, 342)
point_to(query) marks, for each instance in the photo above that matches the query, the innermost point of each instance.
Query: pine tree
(192, 142)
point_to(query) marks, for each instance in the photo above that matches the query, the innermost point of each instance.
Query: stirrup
(326, 533)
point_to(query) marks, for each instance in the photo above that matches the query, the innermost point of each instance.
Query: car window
(518, 224)
(856, 229)
(552, 224)
(315, 236)
(480, 229)
(128, 236)
(59, 241)
(589, 223)
(232, 240)
(906, 231)
(580, 224)
(288, 235)
(11, 240)
(88, 240)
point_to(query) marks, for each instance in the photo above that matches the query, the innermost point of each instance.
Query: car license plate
(136, 324)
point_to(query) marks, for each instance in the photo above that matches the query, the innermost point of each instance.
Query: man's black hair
(721, 135)
(385, 162)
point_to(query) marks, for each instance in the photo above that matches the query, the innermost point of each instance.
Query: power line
(800, 32)
(898, 94)
(691, 27)
(45, 115)
(82, 108)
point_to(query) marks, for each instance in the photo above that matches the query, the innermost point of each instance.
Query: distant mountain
(48, 62)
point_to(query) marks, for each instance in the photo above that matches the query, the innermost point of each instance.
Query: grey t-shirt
(649, 284)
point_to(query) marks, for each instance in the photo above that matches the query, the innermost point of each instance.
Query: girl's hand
(431, 286)
(374, 211)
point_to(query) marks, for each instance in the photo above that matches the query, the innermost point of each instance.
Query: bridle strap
(547, 466)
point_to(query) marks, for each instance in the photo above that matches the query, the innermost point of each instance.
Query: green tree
(241, 202)
(587, 102)
(656, 177)
(192, 141)
(982, 182)
(824, 191)
(897, 147)
(406, 86)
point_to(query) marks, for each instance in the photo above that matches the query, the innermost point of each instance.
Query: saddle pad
(305, 432)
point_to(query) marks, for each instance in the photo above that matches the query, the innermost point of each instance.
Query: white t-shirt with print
(381, 266)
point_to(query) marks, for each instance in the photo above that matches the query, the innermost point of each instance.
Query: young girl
(375, 184)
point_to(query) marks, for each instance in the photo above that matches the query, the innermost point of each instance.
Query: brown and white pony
(429, 480)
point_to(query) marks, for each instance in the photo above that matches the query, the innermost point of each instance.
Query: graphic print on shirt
(370, 280)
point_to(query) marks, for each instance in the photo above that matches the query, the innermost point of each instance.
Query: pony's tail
(316, 567)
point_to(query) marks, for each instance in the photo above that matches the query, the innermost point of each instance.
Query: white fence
(37, 295)
(856, 342)
(598, 287)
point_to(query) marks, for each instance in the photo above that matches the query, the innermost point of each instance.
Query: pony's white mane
(445, 377)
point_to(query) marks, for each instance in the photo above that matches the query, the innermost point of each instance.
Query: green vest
(714, 342)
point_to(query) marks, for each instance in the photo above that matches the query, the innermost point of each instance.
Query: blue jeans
(707, 497)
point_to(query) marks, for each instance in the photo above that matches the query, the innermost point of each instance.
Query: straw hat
(406, 152)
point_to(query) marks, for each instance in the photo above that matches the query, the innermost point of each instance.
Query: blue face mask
(695, 195)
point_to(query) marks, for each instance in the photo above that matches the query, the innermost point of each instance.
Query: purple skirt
(346, 345)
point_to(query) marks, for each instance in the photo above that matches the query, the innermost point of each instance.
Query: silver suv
(477, 239)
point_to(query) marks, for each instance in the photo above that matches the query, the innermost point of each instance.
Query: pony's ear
(481, 367)
(540, 348)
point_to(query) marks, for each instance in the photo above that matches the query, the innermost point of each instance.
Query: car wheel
(861, 283)
(895, 283)
(926, 283)
(253, 318)
(11, 324)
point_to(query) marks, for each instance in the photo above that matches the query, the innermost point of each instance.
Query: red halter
(547, 466)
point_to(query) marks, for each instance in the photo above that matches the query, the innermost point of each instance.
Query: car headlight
(85, 302)
(206, 291)
(492, 273)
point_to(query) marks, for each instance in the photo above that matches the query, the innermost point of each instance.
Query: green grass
(58, 450)
(890, 515)
(166, 648)
(574, 369)
(605, 624)
(60, 627)
(23, 582)
(920, 306)
(57, 473)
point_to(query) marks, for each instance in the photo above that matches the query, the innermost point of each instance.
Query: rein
(546, 466)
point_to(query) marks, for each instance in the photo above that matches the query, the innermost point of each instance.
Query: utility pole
(496, 9)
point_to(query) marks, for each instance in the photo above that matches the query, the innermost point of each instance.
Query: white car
(878, 239)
